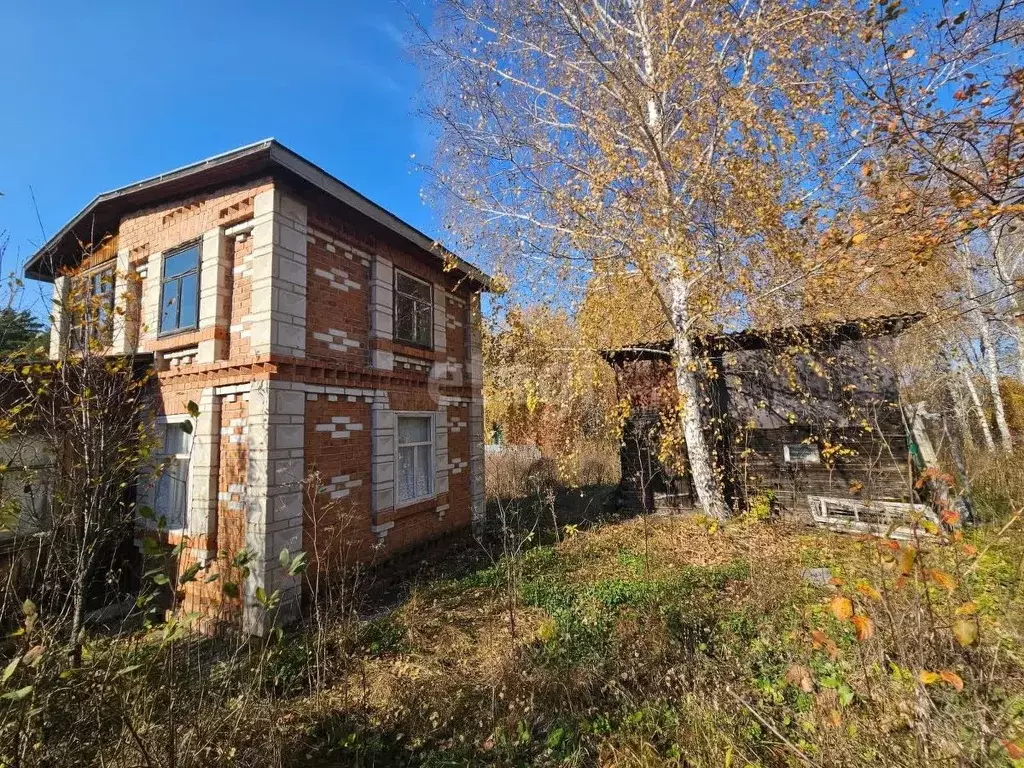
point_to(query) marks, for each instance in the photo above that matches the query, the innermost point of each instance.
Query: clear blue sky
(97, 95)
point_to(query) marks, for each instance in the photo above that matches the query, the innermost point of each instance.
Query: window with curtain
(415, 471)
(171, 493)
(179, 291)
(413, 310)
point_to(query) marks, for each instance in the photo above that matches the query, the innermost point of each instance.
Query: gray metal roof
(265, 157)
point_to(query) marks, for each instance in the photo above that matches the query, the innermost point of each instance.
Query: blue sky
(97, 95)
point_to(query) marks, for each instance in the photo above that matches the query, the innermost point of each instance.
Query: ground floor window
(415, 458)
(171, 492)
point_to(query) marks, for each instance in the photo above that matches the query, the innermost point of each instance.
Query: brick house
(317, 332)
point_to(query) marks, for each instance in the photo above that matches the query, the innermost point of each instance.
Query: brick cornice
(287, 368)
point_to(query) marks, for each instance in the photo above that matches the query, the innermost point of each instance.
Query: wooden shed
(791, 413)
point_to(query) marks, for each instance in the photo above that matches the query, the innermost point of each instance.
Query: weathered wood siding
(836, 394)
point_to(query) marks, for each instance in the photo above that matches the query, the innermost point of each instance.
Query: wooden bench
(879, 518)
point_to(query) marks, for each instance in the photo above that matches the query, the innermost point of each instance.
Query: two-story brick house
(317, 332)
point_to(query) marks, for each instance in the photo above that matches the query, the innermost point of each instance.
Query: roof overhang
(769, 338)
(264, 158)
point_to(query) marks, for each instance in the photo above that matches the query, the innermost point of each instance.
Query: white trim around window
(415, 457)
(172, 489)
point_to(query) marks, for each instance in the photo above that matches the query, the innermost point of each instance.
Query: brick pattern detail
(180, 357)
(455, 349)
(412, 364)
(209, 599)
(338, 514)
(170, 225)
(240, 328)
(458, 452)
(234, 464)
(339, 427)
(337, 326)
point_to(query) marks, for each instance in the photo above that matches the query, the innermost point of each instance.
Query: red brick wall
(209, 598)
(172, 224)
(241, 298)
(232, 474)
(338, 503)
(458, 454)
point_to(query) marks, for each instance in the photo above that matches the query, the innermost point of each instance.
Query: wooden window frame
(165, 423)
(164, 281)
(82, 331)
(428, 344)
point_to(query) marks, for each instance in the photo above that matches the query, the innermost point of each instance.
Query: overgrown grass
(702, 648)
(645, 643)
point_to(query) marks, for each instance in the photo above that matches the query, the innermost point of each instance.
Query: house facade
(794, 417)
(334, 353)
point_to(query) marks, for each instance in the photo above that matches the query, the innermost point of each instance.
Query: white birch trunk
(962, 413)
(991, 368)
(702, 471)
(979, 411)
(1018, 335)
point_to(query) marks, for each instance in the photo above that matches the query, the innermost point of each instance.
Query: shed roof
(764, 338)
(264, 157)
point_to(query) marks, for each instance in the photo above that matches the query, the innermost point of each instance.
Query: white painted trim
(164, 422)
(432, 431)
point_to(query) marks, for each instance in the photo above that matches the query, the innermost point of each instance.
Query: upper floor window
(413, 310)
(92, 308)
(179, 291)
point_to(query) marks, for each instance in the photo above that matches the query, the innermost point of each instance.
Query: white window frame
(431, 441)
(814, 458)
(163, 423)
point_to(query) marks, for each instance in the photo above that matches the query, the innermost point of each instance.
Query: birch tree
(945, 91)
(691, 144)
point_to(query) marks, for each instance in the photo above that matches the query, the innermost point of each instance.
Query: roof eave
(278, 155)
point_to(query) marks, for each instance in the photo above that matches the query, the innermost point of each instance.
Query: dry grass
(649, 642)
(666, 642)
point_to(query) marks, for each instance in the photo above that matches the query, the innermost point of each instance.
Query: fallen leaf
(907, 557)
(943, 579)
(865, 629)
(950, 517)
(841, 607)
(868, 591)
(800, 676)
(1013, 749)
(967, 609)
(928, 678)
(821, 640)
(859, 238)
(965, 631)
(953, 679)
